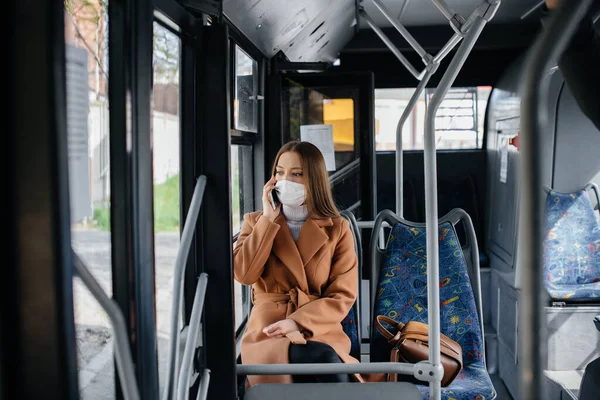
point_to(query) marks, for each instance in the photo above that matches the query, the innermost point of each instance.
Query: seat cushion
(351, 329)
(571, 247)
(402, 296)
(473, 382)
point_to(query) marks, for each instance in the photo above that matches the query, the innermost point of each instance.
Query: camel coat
(313, 281)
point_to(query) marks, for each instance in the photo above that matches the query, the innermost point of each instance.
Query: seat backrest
(351, 324)
(572, 245)
(401, 282)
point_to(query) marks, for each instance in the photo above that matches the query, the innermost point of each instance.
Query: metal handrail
(431, 210)
(471, 30)
(594, 188)
(204, 383)
(345, 172)
(124, 361)
(190, 346)
(388, 42)
(330, 368)
(403, 31)
(461, 27)
(189, 227)
(399, 153)
(534, 118)
(456, 21)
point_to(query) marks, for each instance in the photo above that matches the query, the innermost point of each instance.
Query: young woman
(298, 254)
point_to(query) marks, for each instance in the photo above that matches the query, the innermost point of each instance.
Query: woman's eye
(298, 174)
(279, 172)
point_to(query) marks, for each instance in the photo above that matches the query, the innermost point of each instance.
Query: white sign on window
(322, 137)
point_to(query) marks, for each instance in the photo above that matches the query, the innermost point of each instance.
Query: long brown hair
(319, 199)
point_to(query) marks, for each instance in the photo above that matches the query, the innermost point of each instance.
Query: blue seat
(351, 329)
(572, 246)
(401, 293)
(351, 324)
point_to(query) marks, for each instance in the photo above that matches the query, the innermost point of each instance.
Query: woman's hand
(281, 328)
(267, 207)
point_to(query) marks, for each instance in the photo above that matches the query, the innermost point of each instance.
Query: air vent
(320, 37)
(317, 28)
(325, 44)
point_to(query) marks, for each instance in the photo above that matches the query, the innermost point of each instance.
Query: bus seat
(350, 327)
(572, 246)
(351, 324)
(401, 293)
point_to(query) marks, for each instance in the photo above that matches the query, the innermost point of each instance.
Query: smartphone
(273, 198)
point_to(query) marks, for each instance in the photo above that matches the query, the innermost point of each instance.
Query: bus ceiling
(318, 30)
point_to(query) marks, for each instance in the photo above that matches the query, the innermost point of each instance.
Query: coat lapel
(312, 238)
(286, 250)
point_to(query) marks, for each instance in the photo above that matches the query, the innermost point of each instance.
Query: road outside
(94, 331)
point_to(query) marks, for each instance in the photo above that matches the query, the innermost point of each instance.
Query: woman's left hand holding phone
(268, 210)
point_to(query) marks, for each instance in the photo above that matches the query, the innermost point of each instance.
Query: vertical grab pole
(399, 155)
(547, 48)
(431, 211)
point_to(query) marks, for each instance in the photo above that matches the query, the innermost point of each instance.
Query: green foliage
(166, 205)
(102, 218)
(166, 208)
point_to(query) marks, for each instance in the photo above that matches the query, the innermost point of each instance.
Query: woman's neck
(297, 214)
(295, 218)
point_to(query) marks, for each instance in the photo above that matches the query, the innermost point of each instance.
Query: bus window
(166, 162)
(89, 184)
(246, 113)
(459, 120)
(242, 198)
(245, 110)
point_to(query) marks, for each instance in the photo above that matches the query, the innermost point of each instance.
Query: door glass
(89, 185)
(242, 192)
(337, 109)
(333, 106)
(242, 202)
(166, 159)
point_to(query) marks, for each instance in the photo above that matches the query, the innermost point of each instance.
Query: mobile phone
(273, 198)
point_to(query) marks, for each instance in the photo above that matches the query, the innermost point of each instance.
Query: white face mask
(290, 193)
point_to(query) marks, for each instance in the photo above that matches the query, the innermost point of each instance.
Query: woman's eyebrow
(279, 166)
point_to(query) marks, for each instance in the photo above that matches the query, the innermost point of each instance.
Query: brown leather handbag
(410, 344)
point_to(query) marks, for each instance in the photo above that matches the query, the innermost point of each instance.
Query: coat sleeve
(579, 67)
(253, 248)
(322, 315)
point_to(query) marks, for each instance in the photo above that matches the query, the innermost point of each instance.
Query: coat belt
(295, 299)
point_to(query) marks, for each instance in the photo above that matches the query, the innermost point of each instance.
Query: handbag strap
(387, 334)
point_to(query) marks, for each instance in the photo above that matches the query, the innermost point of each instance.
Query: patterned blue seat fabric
(351, 329)
(402, 295)
(572, 247)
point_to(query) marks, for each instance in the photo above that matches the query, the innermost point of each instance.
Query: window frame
(255, 140)
(234, 45)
